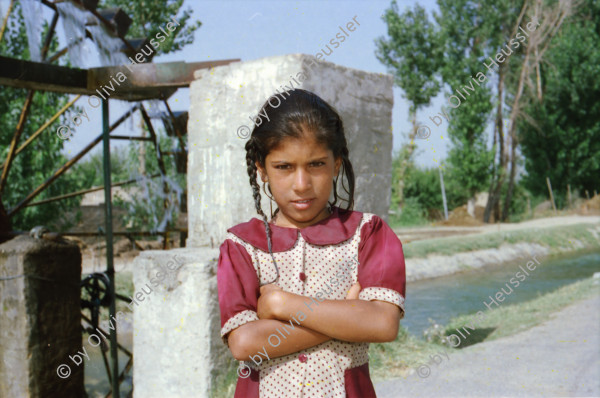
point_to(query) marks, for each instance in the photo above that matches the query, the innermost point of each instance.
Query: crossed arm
(351, 320)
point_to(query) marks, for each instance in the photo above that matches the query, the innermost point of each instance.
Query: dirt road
(560, 357)
(411, 234)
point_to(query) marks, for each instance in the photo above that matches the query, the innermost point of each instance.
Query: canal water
(447, 297)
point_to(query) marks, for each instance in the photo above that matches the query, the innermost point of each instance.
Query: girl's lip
(302, 204)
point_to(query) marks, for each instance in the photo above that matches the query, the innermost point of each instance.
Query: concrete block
(176, 344)
(40, 320)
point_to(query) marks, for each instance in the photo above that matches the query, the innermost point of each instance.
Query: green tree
(148, 16)
(563, 141)
(471, 32)
(410, 54)
(34, 165)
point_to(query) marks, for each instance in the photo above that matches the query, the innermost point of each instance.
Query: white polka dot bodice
(307, 269)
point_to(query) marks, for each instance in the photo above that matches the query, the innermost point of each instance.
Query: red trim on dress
(358, 383)
(248, 387)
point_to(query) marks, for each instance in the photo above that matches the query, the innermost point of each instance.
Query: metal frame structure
(147, 81)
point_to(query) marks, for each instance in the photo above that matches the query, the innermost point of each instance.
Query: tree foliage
(541, 105)
(467, 38)
(563, 142)
(150, 15)
(411, 55)
(42, 157)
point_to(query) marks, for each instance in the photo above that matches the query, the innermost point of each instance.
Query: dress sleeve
(381, 270)
(237, 286)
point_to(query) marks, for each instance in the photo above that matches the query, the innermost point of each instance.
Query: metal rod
(64, 50)
(48, 123)
(110, 270)
(173, 120)
(129, 137)
(551, 195)
(10, 6)
(115, 233)
(49, 35)
(15, 140)
(88, 320)
(443, 194)
(68, 165)
(122, 377)
(106, 366)
(120, 233)
(84, 191)
(161, 164)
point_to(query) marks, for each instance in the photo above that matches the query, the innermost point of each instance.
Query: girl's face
(300, 173)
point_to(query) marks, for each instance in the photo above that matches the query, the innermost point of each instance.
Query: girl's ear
(338, 164)
(262, 172)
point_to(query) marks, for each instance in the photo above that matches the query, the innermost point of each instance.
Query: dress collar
(341, 225)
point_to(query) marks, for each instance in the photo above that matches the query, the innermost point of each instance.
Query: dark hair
(298, 112)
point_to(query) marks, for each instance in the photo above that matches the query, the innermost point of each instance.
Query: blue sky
(256, 29)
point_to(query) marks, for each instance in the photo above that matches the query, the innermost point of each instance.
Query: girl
(289, 288)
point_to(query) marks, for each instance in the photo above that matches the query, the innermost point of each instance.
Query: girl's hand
(270, 299)
(270, 287)
(353, 292)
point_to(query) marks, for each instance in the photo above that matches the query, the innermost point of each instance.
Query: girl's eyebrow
(324, 158)
(320, 159)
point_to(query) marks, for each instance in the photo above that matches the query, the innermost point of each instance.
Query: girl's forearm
(348, 320)
(254, 338)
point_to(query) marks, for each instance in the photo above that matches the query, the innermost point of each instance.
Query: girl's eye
(282, 166)
(317, 164)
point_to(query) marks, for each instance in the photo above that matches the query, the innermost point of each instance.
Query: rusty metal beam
(129, 137)
(174, 121)
(64, 50)
(47, 123)
(84, 191)
(12, 234)
(161, 163)
(68, 165)
(142, 81)
(5, 21)
(15, 140)
(49, 35)
(44, 77)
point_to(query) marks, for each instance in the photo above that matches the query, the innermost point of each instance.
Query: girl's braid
(349, 171)
(252, 156)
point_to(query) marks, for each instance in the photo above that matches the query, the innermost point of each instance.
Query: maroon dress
(315, 261)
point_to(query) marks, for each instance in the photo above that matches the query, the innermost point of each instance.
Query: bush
(412, 214)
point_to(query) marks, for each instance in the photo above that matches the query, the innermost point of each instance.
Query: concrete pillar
(40, 322)
(176, 342)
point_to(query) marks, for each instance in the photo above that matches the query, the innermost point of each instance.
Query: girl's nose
(301, 181)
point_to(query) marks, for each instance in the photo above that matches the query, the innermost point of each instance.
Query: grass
(389, 360)
(553, 238)
(507, 320)
(224, 383)
(395, 359)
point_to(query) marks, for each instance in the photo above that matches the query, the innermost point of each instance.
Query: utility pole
(443, 193)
